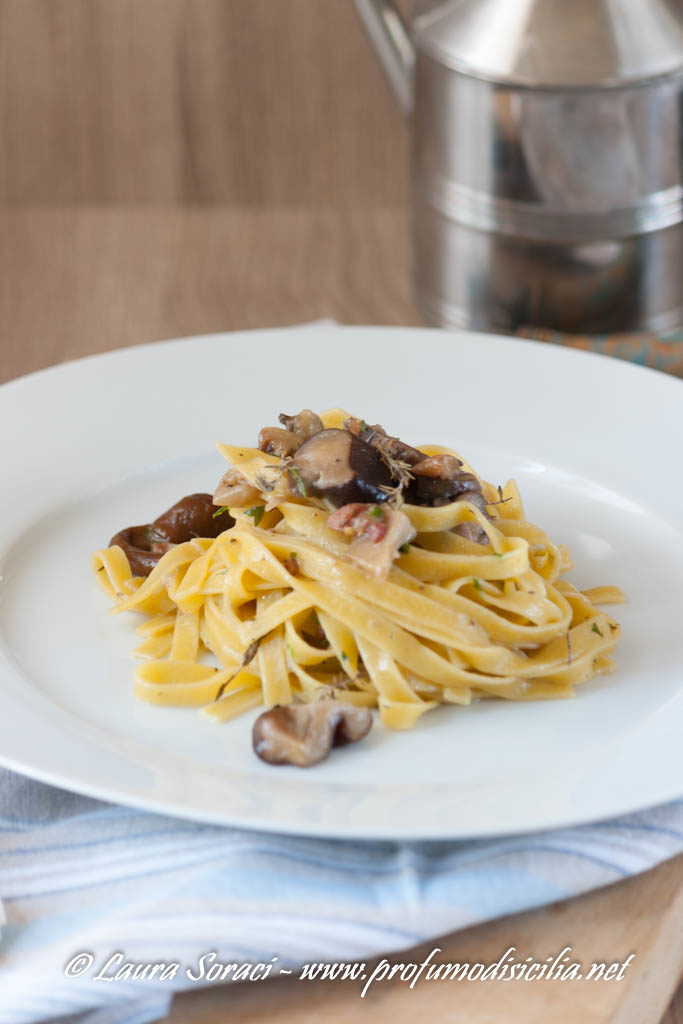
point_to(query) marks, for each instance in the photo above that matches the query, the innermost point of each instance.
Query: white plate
(95, 445)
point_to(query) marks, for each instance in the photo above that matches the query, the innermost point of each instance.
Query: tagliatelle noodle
(270, 613)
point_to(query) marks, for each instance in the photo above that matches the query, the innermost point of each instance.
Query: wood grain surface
(258, 102)
(78, 280)
(171, 167)
(640, 916)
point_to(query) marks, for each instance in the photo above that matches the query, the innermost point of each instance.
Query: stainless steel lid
(554, 43)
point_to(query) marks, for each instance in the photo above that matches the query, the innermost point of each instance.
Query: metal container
(547, 158)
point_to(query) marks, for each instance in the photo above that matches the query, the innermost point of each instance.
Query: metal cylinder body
(556, 207)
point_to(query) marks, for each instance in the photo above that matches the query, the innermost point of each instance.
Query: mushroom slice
(472, 531)
(137, 545)
(305, 424)
(444, 467)
(192, 516)
(276, 441)
(439, 480)
(336, 464)
(304, 734)
(235, 490)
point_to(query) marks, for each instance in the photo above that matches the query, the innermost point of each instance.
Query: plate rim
(99, 791)
(531, 344)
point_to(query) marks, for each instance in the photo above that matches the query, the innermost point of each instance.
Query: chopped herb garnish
(596, 629)
(220, 511)
(476, 582)
(363, 426)
(299, 482)
(345, 656)
(256, 512)
(375, 512)
(496, 554)
(404, 549)
(290, 651)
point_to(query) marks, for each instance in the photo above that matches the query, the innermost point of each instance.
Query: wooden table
(79, 280)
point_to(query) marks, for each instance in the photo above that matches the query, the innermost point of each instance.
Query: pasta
(278, 608)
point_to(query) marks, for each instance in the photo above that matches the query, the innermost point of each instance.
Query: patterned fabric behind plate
(660, 353)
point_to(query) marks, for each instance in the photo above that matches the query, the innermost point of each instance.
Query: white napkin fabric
(78, 876)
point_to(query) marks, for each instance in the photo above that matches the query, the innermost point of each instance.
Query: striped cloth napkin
(90, 887)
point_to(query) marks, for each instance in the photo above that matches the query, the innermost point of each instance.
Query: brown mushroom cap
(304, 734)
(192, 516)
(336, 464)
